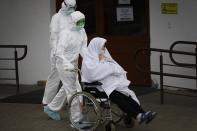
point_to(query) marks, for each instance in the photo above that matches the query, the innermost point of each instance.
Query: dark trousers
(126, 104)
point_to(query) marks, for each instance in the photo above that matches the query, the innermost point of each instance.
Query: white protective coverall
(60, 21)
(108, 72)
(72, 42)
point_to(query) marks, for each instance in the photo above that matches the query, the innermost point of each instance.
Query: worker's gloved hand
(69, 67)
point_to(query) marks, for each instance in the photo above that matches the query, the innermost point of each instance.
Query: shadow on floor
(35, 97)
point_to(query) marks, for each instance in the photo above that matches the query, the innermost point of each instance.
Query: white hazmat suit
(72, 42)
(60, 21)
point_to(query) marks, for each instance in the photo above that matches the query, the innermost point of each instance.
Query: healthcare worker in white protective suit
(72, 42)
(98, 65)
(60, 21)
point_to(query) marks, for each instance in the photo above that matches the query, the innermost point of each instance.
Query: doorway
(125, 25)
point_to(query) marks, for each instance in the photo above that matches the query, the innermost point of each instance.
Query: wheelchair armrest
(96, 83)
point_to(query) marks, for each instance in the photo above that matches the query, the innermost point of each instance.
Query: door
(125, 25)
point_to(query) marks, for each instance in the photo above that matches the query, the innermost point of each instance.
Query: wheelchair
(96, 108)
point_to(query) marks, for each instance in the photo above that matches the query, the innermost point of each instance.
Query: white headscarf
(108, 72)
(92, 68)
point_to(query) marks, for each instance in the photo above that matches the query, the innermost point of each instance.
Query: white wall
(26, 22)
(168, 28)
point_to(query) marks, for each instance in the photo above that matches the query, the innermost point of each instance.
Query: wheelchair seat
(92, 88)
(96, 83)
(95, 106)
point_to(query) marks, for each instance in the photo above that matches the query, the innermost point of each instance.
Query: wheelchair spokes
(117, 114)
(88, 117)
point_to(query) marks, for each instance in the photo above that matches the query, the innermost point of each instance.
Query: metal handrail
(185, 43)
(163, 51)
(161, 73)
(16, 59)
(15, 47)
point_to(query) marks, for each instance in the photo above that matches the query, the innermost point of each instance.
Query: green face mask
(80, 24)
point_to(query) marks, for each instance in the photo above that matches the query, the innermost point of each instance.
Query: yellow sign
(169, 8)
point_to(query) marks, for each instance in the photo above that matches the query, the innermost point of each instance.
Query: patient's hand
(104, 58)
(101, 57)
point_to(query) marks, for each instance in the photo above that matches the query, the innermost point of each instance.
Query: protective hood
(70, 3)
(76, 16)
(68, 6)
(78, 20)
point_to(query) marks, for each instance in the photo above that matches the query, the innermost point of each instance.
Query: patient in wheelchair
(98, 65)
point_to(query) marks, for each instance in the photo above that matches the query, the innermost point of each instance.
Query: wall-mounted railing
(161, 72)
(15, 59)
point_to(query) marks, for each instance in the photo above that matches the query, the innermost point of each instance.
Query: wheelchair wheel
(129, 122)
(110, 127)
(117, 114)
(84, 111)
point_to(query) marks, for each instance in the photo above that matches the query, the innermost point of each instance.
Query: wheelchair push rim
(89, 111)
